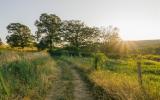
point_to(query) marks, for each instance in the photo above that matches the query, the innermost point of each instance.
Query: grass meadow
(30, 76)
(26, 75)
(117, 78)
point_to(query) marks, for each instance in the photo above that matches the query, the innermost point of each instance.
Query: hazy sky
(137, 19)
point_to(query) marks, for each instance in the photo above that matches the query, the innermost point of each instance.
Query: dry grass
(119, 86)
(26, 75)
(119, 79)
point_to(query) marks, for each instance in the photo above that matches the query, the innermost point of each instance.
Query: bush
(85, 54)
(152, 57)
(99, 59)
(68, 52)
(22, 70)
(114, 56)
(58, 52)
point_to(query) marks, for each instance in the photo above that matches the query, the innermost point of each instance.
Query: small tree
(110, 39)
(20, 35)
(99, 60)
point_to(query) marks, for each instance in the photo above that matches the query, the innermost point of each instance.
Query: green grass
(26, 75)
(66, 82)
(30, 75)
(119, 77)
(62, 88)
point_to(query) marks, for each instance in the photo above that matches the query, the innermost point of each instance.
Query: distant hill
(145, 46)
(144, 43)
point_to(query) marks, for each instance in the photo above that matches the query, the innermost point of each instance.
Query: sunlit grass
(119, 78)
(26, 75)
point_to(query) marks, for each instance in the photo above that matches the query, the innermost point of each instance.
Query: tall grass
(26, 75)
(118, 78)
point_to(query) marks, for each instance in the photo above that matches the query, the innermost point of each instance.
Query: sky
(136, 19)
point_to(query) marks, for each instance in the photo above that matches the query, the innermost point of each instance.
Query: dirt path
(62, 88)
(81, 91)
(69, 86)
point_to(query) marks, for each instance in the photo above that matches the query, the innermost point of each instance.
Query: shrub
(99, 59)
(22, 70)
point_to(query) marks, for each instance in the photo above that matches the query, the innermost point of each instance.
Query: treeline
(53, 33)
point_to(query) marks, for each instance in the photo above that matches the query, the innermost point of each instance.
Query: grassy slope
(119, 78)
(145, 43)
(26, 75)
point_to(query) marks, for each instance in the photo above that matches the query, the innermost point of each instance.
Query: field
(30, 75)
(119, 79)
(79, 50)
(26, 75)
(37, 75)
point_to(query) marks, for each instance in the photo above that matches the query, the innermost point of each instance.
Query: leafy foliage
(110, 40)
(49, 27)
(20, 35)
(43, 44)
(77, 34)
(99, 60)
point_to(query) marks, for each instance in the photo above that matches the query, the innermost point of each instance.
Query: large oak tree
(77, 34)
(48, 27)
(20, 35)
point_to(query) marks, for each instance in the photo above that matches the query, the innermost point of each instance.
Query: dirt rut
(69, 86)
(81, 91)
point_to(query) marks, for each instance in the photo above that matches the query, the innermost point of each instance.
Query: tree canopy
(20, 35)
(74, 35)
(77, 34)
(110, 39)
(48, 28)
